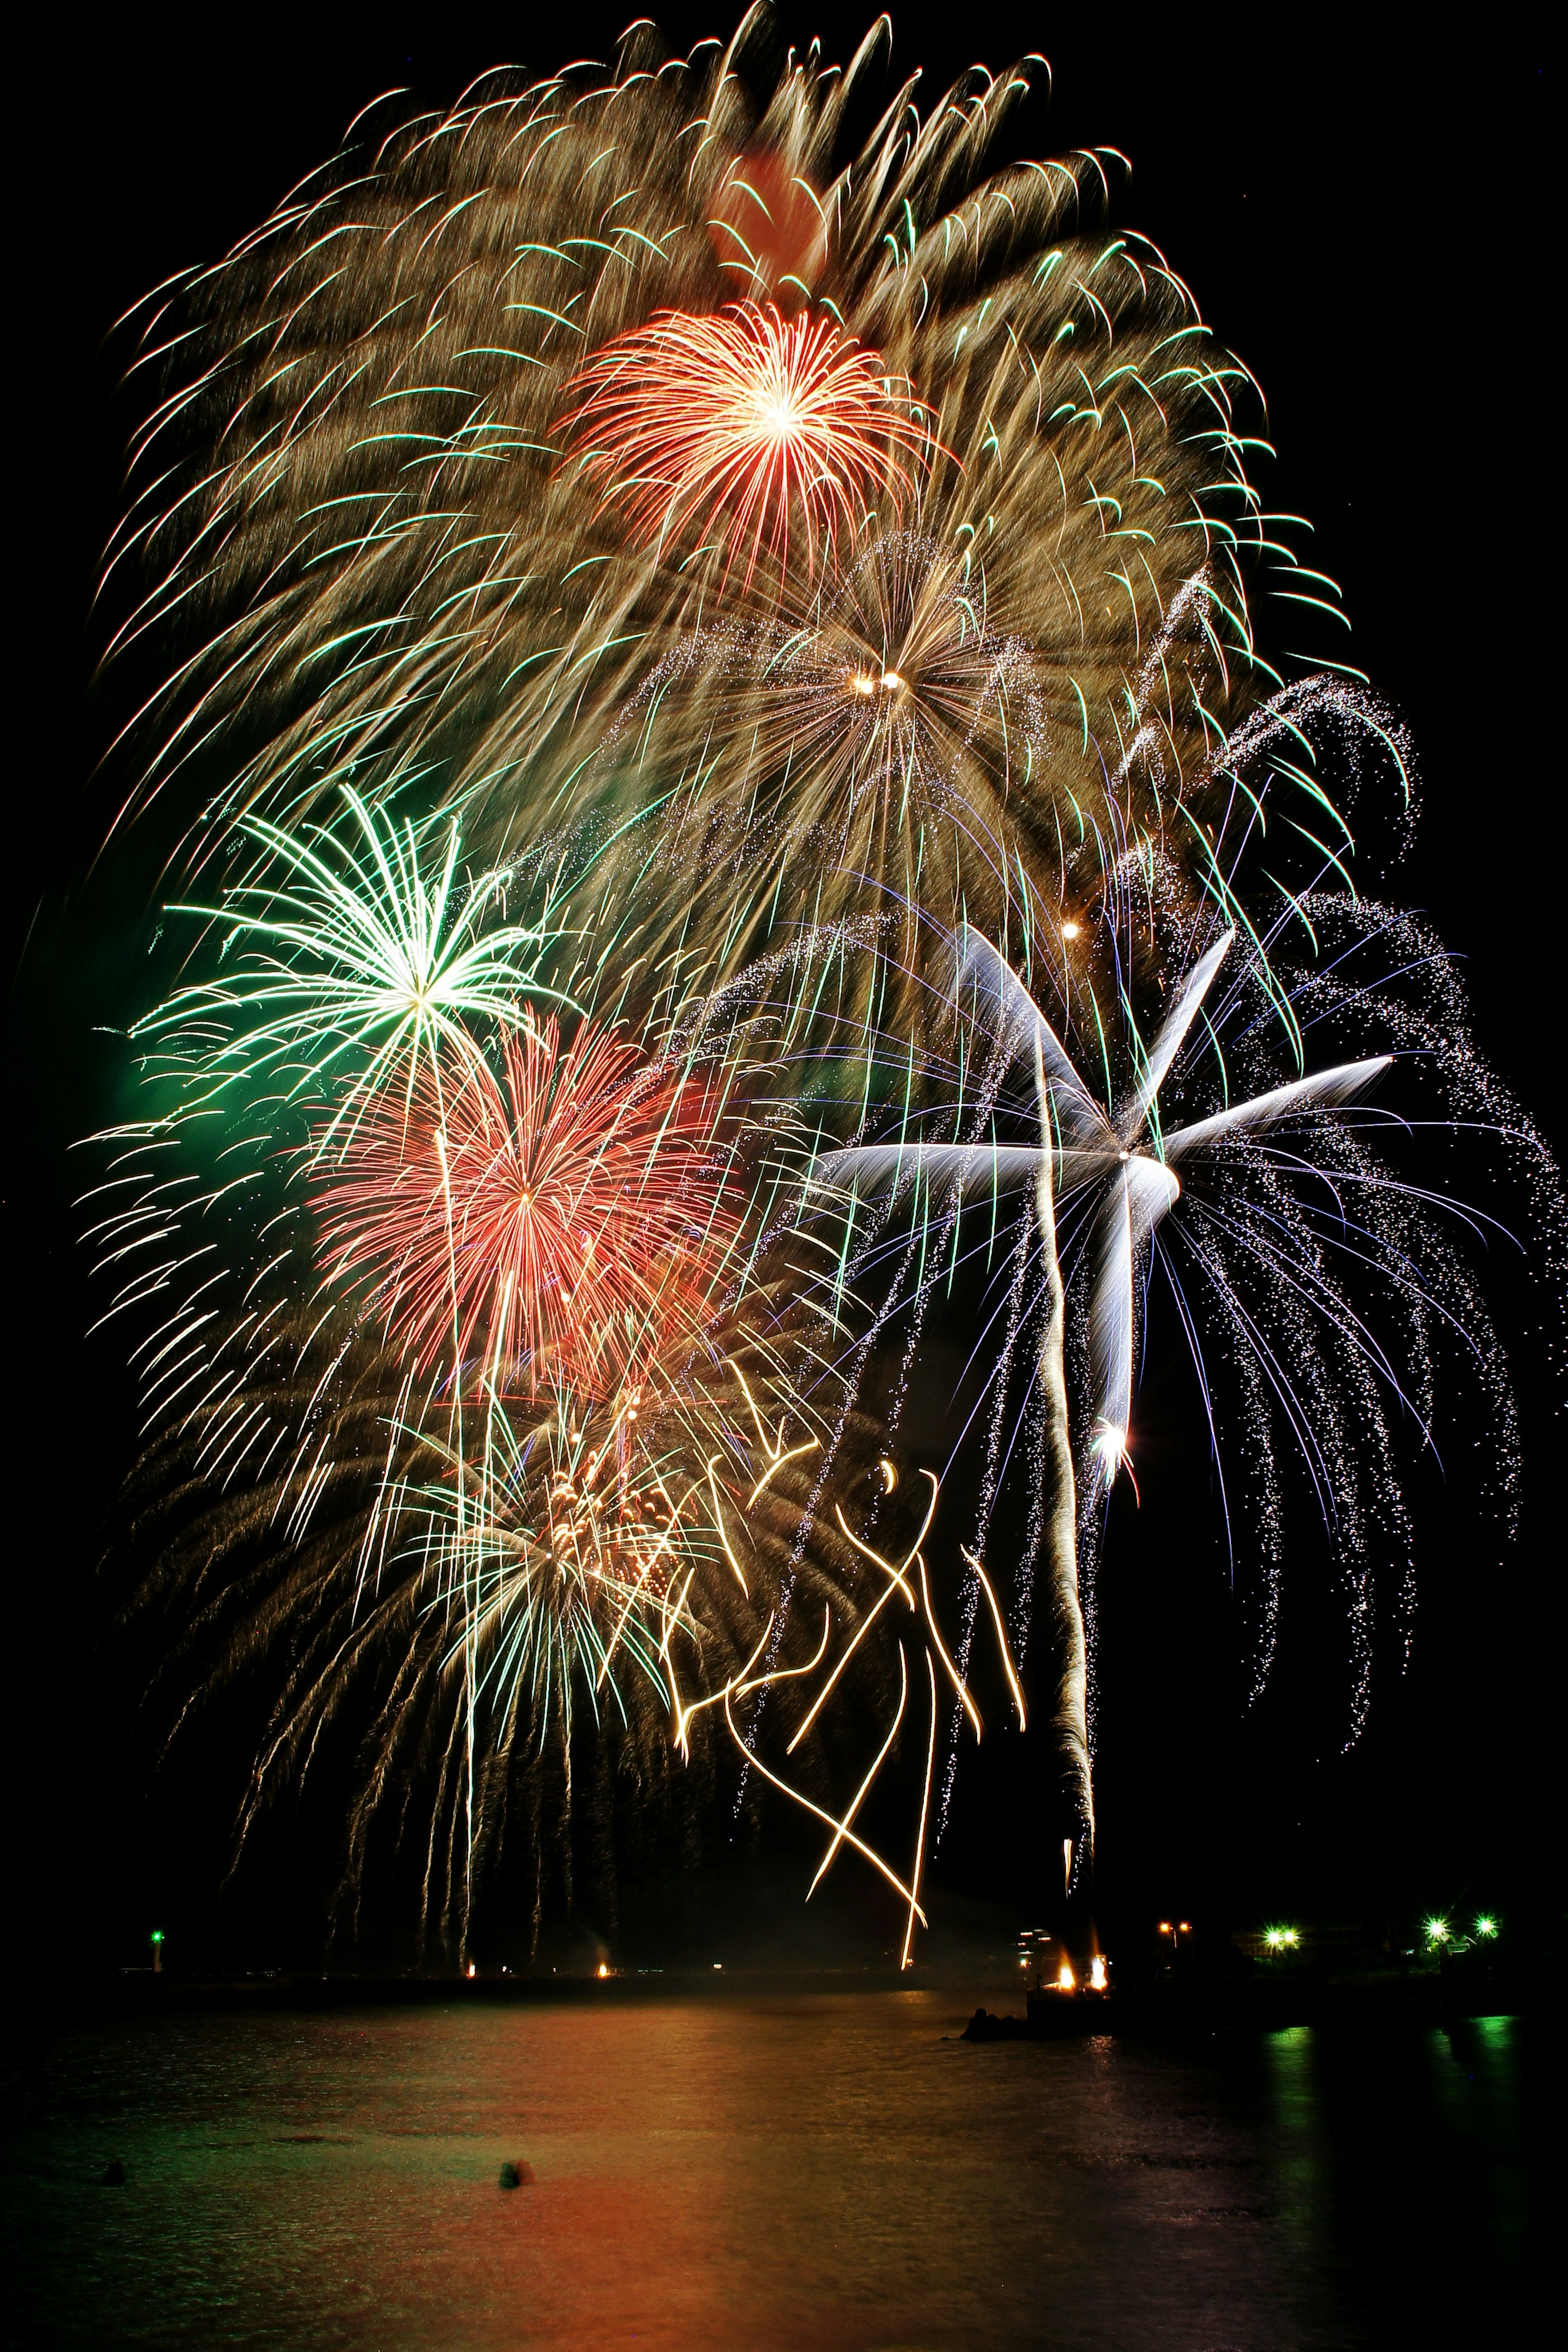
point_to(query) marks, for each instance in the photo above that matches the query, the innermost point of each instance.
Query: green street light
(1486, 1924)
(1436, 1931)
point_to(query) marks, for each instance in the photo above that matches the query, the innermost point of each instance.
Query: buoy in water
(517, 2176)
(115, 2175)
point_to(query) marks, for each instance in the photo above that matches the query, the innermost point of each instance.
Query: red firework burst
(565, 1220)
(740, 420)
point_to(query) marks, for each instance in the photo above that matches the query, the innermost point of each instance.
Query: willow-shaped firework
(369, 512)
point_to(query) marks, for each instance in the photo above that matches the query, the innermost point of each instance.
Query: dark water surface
(823, 2172)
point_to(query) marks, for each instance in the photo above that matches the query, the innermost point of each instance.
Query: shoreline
(1160, 2008)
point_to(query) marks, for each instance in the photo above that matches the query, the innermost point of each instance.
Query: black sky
(1363, 217)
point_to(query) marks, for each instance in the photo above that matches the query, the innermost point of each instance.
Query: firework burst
(468, 1592)
(773, 550)
(872, 734)
(365, 963)
(1122, 1164)
(739, 422)
(562, 1220)
(376, 577)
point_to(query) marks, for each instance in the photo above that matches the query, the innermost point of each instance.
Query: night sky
(1364, 222)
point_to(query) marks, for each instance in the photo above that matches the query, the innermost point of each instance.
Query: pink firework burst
(740, 420)
(566, 1220)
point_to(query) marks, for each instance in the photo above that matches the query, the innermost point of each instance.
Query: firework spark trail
(1037, 1474)
(969, 1597)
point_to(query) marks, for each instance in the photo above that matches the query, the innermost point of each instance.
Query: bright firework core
(780, 416)
(892, 683)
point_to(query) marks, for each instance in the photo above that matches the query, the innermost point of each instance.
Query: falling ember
(567, 1213)
(738, 422)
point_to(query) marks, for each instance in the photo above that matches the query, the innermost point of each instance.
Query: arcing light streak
(900, 1577)
(842, 1832)
(1014, 1686)
(906, 1954)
